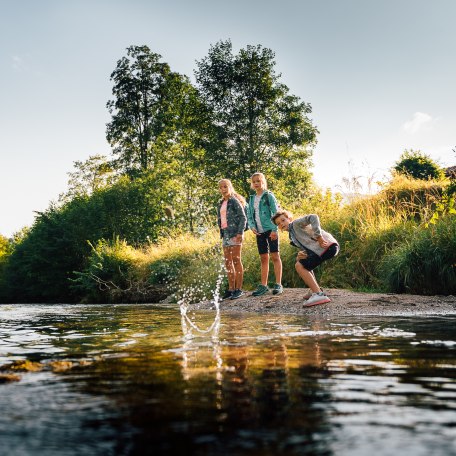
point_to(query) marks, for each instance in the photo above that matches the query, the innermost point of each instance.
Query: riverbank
(343, 303)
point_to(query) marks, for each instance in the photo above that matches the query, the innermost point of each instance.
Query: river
(142, 379)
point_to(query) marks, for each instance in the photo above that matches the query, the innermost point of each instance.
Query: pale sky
(380, 76)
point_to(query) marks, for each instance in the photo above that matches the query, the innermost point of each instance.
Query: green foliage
(418, 165)
(89, 176)
(256, 125)
(41, 265)
(5, 251)
(115, 272)
(5, 247)
(144, 110)
(158, 122)
(425, 262)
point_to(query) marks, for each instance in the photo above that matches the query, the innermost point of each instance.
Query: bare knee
(275, 257)
(264, 257)
(236, 261)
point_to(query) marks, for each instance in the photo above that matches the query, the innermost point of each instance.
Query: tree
(194, 189)
(5, 252)
(418, 165)
(256, 124)
(143, 111)
(89, 176)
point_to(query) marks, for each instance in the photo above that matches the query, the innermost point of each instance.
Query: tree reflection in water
(266, 399)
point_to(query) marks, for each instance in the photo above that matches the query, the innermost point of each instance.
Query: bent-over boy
(315, 246)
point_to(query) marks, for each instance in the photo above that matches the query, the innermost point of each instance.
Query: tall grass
(425, 263)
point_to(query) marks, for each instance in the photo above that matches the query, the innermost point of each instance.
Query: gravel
(343, 303)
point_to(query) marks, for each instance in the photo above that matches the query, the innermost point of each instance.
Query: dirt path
(343, 303)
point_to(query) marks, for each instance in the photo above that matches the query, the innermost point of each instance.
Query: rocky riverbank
(343, 303)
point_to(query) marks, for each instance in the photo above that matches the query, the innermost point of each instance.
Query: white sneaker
(316, 299)
(309, 294)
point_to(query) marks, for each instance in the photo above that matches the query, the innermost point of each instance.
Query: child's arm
(250, 220)
(240, 212)
(311, 219)
(274, 207)
(314, 221)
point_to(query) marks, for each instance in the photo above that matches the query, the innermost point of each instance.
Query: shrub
(425, 263)
(57, 245)
(418, 165)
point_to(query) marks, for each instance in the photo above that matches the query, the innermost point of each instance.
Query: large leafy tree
(143, 111)
(157, 125)
(257, 125)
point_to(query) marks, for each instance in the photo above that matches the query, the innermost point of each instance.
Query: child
(316, 246)
(231, 221)
(262, 205)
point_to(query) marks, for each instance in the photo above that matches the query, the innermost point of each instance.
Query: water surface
(145, 381)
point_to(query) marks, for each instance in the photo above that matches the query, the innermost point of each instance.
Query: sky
(380, 76)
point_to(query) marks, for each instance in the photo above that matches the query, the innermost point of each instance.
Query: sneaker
(316, 299)
(277, 289)
(237, 294)
(228, 294)
(261, 290)
(309, 294)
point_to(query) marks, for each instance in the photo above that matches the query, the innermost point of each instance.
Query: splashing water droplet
(187, 323)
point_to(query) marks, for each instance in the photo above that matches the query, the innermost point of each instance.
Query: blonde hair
(262, 177)
(240, 198)
(287, 214)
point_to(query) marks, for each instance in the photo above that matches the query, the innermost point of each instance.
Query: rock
(60, 366)
(23, 365)
(8, 378)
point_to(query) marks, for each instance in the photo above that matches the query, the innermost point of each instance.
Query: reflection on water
(150, 380)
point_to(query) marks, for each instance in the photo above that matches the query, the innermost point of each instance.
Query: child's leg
(264, 258)
(308, 277)
(227, 253)
(277, 262)
(237, 266)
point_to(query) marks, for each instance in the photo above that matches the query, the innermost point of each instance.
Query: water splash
(187, 324)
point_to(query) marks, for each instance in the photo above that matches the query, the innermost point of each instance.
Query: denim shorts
(265, 244)
(313, 260)
(229, 241)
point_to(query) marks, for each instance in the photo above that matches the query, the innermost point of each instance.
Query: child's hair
(287, 214)
(240, 198)
(262, 177)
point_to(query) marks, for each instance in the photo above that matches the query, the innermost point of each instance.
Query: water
(145, 381)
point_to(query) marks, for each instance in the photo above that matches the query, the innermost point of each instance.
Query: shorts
(265, 244)
(229, 241)
(313, 260)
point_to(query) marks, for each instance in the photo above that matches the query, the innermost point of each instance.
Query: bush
(115, 272)
(118, 272)
(57, 245)
(426, 262)
(418, 165)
